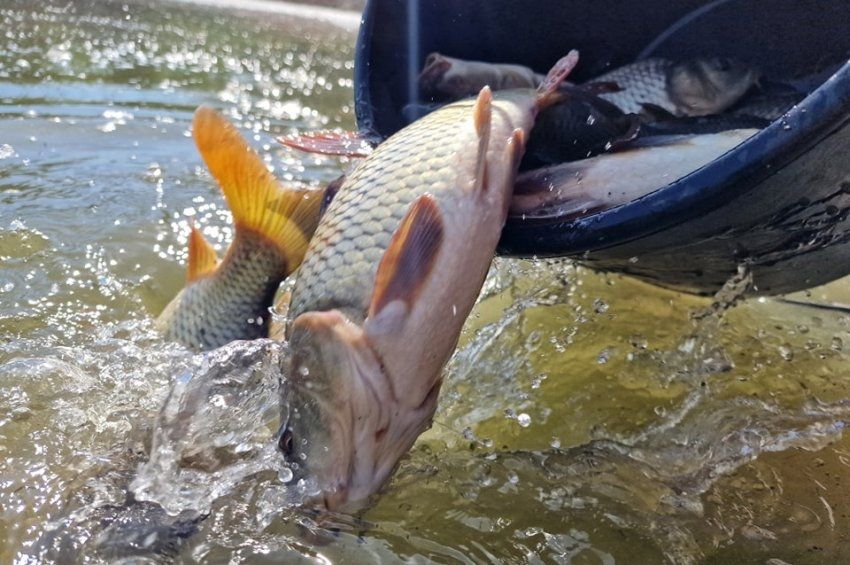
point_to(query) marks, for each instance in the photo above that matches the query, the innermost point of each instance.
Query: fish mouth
(345, 402)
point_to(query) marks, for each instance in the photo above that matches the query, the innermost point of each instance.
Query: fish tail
(285, 217)
(229, 300)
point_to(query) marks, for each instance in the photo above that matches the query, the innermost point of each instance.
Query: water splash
(216, 429)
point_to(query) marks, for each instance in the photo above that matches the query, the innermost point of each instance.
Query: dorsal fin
(202, 256)
(286, 217)
(547, 92)
(408, 260)
(482, 115)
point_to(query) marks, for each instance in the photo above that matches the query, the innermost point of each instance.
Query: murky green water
(585, 418)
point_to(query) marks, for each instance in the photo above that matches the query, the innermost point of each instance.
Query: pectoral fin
(410, 257)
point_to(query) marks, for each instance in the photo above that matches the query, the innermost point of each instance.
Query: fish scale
(643, 81)
(231, 300)
(234, 302)
(343, 256)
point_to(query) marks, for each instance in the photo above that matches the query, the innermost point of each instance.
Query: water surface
(585, 418)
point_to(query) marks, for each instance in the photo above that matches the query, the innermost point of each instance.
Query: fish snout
(433, 76)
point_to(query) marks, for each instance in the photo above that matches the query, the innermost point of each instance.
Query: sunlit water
(585, 418)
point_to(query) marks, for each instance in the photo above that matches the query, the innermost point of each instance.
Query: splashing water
(215, 429)
(711, 434)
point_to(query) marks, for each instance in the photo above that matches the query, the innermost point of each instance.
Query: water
(585, 418)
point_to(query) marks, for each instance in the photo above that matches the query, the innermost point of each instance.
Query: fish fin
(633, 124)
(343, 143)
(562, 192)
(277, 325)
(547, 92)
(410, 256)
(330, 192)
(516, 146)
(656, 113)
(286, 217)
(202, 256)
(482, 114)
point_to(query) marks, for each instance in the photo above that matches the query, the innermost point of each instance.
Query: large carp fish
(392, 272)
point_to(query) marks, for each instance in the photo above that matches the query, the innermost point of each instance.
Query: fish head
(446, 76)
(709, 85)
(454, 79)
(338, 405)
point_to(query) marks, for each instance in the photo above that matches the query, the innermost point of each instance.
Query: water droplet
(786, 352)
(524, 420)
(303, 371)
(285, 475)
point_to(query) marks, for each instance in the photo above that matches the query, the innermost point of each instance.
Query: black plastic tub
(779, 202)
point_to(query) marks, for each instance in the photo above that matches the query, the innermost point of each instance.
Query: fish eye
(286, 443)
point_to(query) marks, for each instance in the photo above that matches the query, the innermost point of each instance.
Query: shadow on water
(585, 418)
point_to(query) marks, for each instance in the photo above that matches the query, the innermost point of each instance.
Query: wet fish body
(230, 300)
(694, 87)
(580, 126)
(574, 189)
(389, 278)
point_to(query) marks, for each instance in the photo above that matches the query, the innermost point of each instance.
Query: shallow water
(585, 418)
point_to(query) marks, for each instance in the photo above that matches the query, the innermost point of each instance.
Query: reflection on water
(585, 418)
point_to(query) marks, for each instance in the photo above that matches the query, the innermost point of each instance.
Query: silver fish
(581, 187)
(693, 87)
